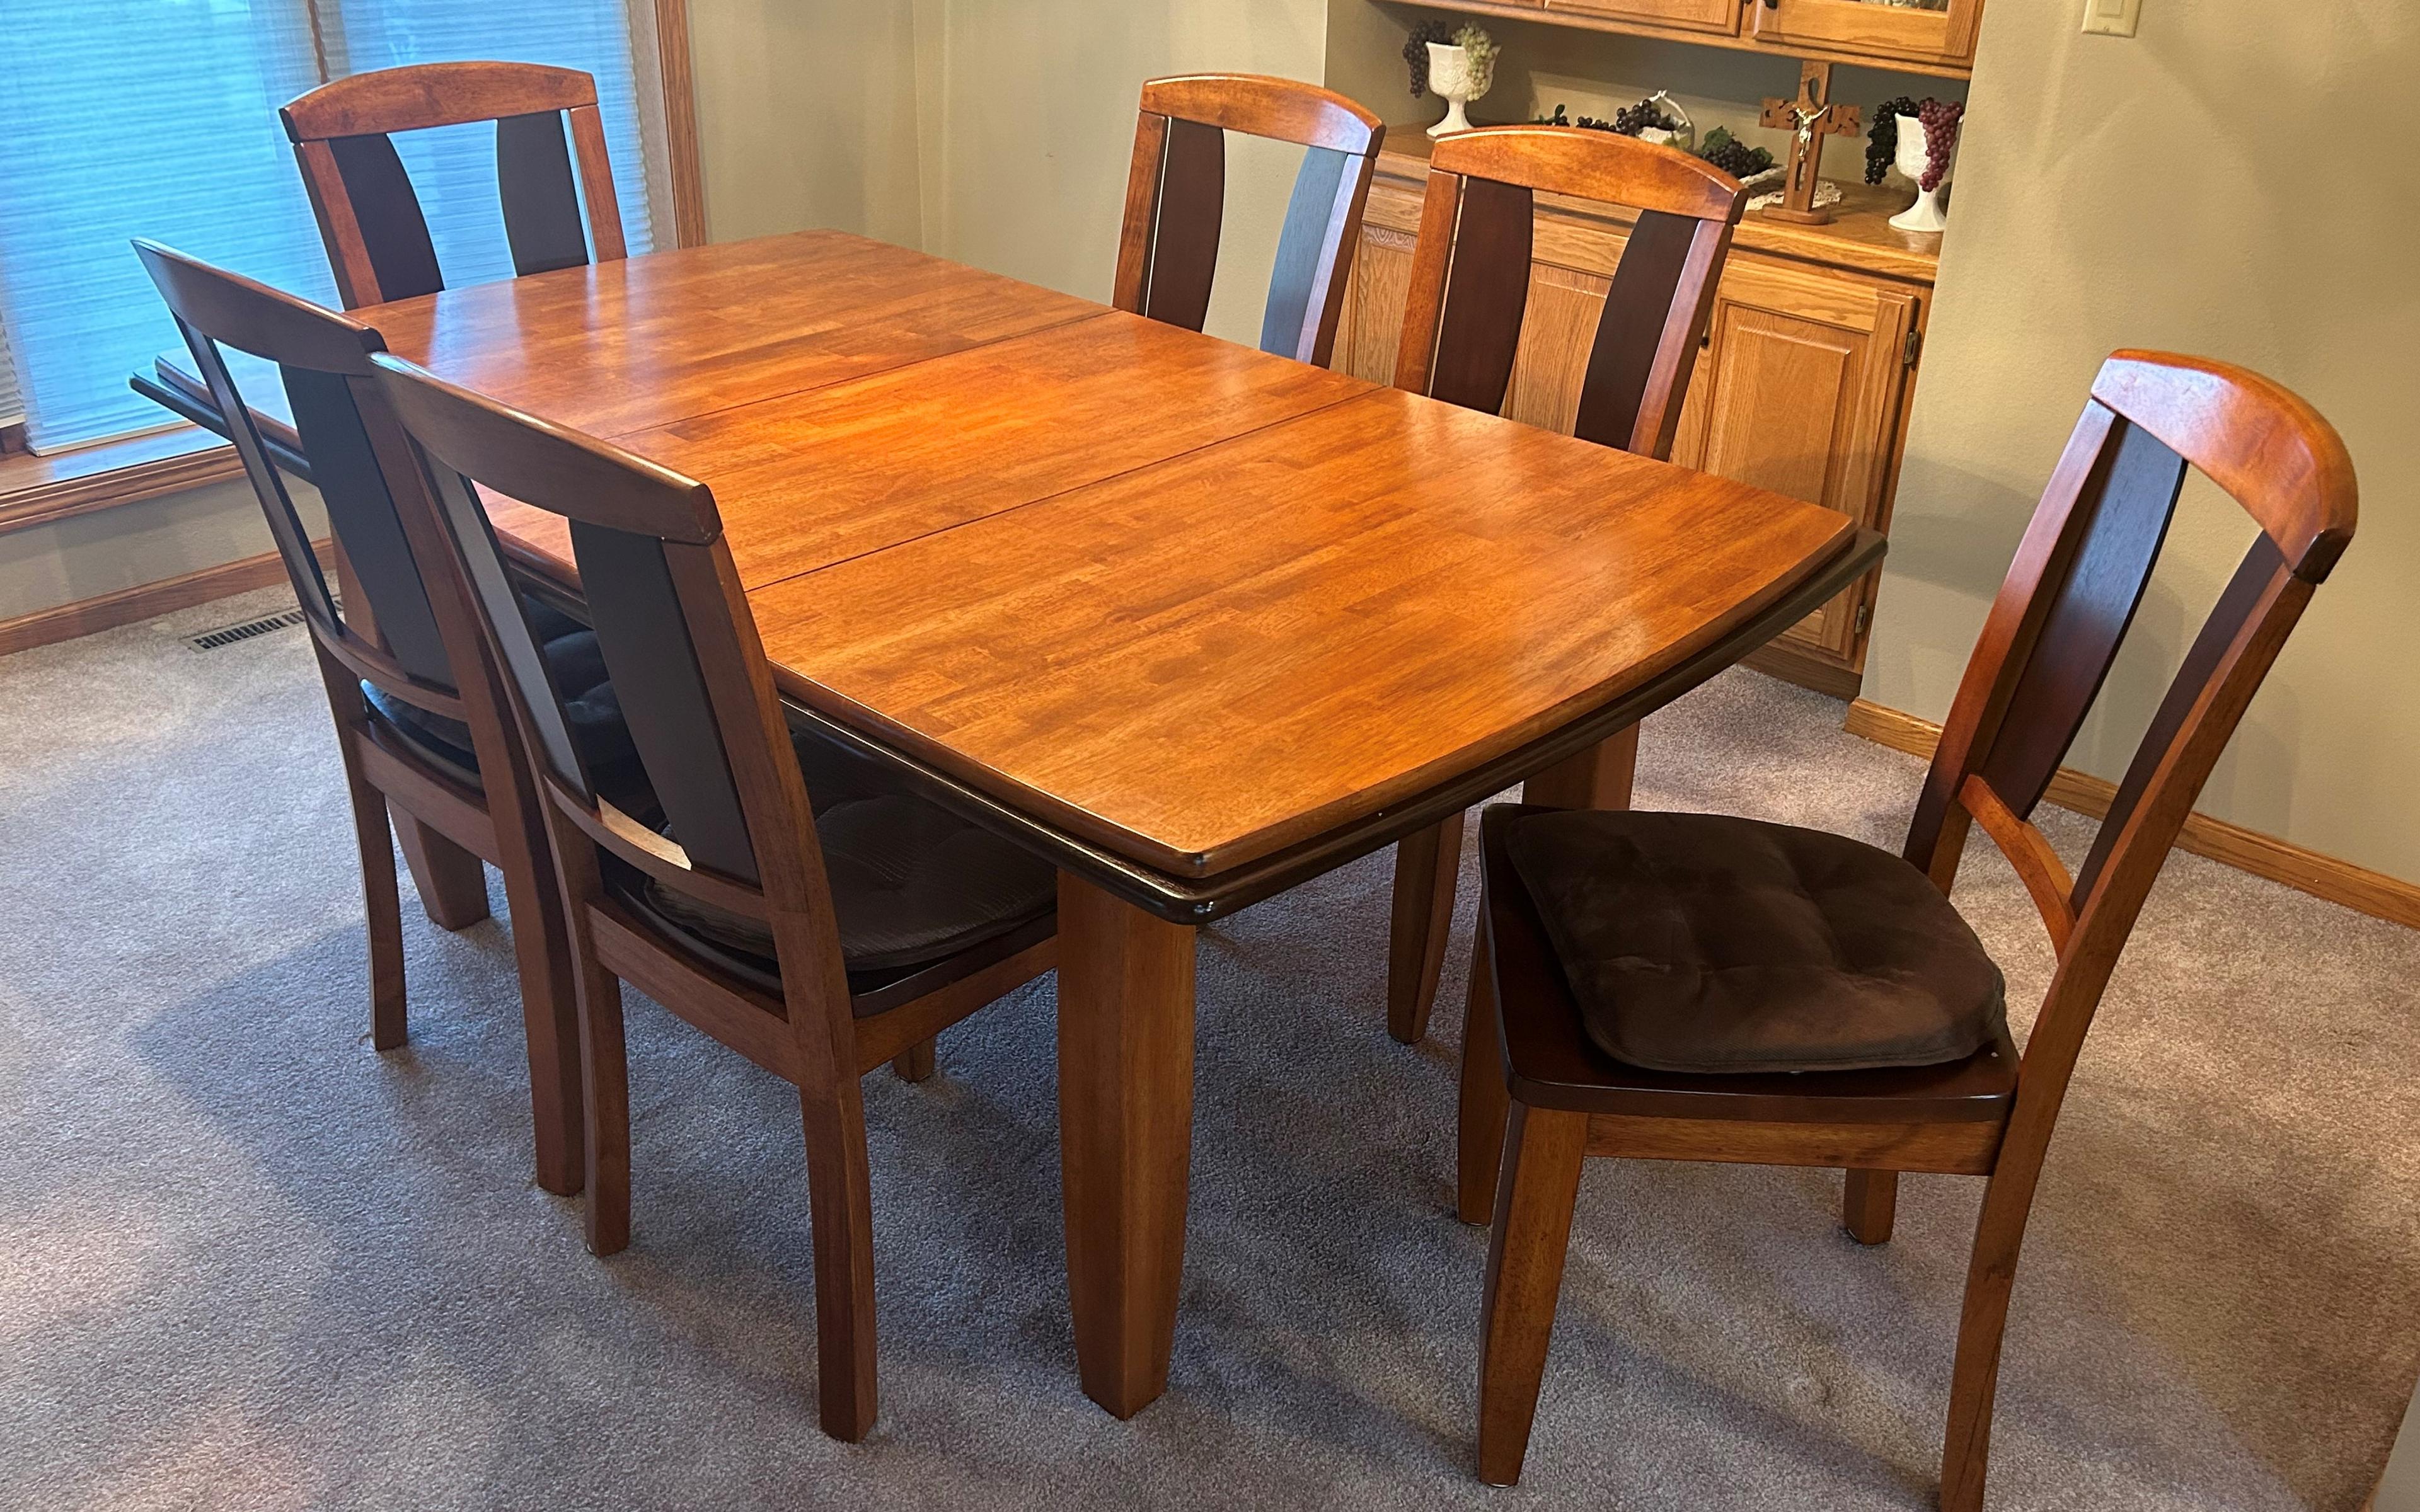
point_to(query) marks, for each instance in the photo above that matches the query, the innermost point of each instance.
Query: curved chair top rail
(2261, 443)
(422, 95)
(1590, 164)
(1261, 105)
(253, 316)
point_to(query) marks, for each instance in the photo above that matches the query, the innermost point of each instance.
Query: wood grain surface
(1202, 661)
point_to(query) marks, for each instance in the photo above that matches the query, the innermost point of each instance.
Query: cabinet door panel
(1800, 392)
(1943, 35)
(1372, 326)
(1558, 328)
(1721, 16)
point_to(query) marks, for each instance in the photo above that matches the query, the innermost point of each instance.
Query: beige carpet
(245, 1261)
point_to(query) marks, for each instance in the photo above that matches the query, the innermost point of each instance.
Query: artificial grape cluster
(1881, 142)
(1626, 122)
(1634, 119)
(1939, 118)
(1734, 156)
(1416, 52)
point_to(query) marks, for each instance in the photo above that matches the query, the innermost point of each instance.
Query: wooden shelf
(1861, 240)
(1582, 21)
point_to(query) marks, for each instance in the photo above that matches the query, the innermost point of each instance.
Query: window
(159, 119)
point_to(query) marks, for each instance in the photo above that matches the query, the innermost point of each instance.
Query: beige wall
(88, 555)
(806, 113)
(2201, 188)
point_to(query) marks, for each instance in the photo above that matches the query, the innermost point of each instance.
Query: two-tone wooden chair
(1176, 196)
(417, 725)
(1674, 986)
(1462, 329)
(369, 216)
(786, 899)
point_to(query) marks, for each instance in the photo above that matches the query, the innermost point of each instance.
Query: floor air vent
(212, 640)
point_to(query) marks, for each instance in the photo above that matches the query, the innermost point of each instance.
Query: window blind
(159, 119)
(11, 410)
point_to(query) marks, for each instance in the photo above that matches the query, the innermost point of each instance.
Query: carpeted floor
(245, 1261)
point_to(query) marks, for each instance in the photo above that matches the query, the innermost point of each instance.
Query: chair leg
(1428, 862)
(1868, 1203)
(840, 1195)
(1480, 1127)
(605, 1103)
(1974, 1378)
(383, 905)
(452, 881)
(550, 1022)
(915, 1063)
(1536, 1192)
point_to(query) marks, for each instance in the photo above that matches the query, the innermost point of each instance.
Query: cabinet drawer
(1719, 16)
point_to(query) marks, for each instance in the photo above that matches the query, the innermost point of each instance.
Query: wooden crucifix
(1808, 119)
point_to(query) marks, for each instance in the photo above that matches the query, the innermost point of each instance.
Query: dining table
(1195, 623)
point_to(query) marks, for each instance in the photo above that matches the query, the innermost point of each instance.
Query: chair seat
(579, 669)
(1698, 965)
(912, 884)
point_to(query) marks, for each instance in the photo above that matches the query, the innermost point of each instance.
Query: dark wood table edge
(177, 402)
(1202, 899)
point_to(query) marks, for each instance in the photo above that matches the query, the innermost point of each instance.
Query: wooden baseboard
(2264, 856)
(1795, 662)
(130, 606)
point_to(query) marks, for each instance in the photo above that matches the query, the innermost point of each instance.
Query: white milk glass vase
(1926, 213)
(1450, 78)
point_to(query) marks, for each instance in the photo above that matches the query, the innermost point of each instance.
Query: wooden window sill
(38, 490)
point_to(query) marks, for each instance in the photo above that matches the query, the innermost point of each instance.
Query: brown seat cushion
(912, 884)
(1703, 943)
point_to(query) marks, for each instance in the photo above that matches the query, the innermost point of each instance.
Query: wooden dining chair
(1461, 328)
(1176, 196)
(370, 217)
(789, 899)
(1673, 986)
(418, 723)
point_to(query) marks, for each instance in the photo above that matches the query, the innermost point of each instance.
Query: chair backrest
(1177, 193)
(2055, 627)
(1470, 272)
(369, 216)
(323, 359)
(679, 645)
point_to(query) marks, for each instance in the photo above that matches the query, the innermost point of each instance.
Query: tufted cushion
(1702, 943)
(589, 704)
(911, 883)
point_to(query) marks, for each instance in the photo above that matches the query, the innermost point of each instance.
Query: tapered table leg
(1597, 778)
(1126, 1135)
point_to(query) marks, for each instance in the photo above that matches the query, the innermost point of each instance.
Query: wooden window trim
(39, 490)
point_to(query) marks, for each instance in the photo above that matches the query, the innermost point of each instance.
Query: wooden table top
(1181, 602)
